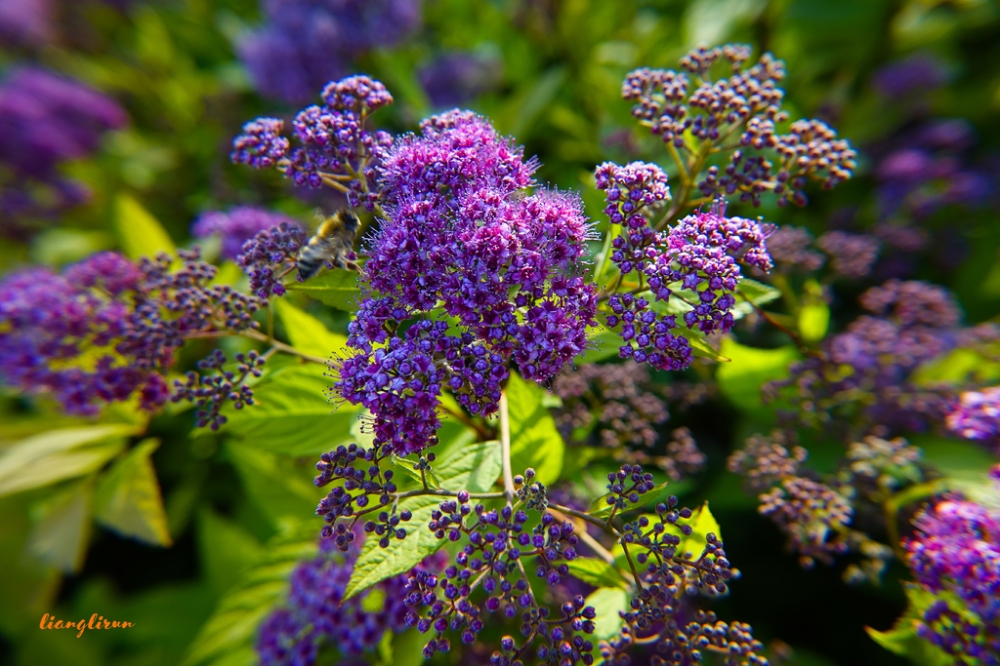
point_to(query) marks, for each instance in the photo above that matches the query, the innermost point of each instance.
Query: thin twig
(584, 536)
(508, 477)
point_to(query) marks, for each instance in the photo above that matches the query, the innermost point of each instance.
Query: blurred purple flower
(25, 22)
(452, 79)
(46, 120)
(307, 43)
(237, 226)
(918, 73)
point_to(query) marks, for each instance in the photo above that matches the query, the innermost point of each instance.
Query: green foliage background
(191, 535)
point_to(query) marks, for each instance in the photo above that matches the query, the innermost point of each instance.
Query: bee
(332, 245)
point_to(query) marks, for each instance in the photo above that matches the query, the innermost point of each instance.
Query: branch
(508, 477)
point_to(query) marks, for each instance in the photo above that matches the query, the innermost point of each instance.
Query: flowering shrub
(511, 392)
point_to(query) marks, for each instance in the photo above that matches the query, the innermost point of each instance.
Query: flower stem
(508, 477)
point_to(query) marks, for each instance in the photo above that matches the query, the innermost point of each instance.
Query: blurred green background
(552, 82)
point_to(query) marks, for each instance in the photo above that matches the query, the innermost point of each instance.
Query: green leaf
(291, 414)
(140, 233)
(814, 321)
(701, 348)
(595, 572)
(609, 602)
(902, 639)
(957, 367)
(128, 498)
(534, 440)
(702, 523)
(59, 454)
(376, 564)
(750, 293)
(474, 468)
(600, 508)
(233, 626)
(60, 539)
(276, 489)
(307, 333)
(602, 343)
(408, 648)
(964, 464)
(226, 550)
(337, 287)
(741, 380)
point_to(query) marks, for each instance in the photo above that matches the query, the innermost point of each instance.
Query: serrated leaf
(140, 233)
(60, 539)
(61, 454)
(337, 287)
(534, 440)
(291, 414)
(814, 321)
(128, 498)
(609, 602)
(233, 626)
(307, 333)
(595, 572)
(741, 380)
(275, 488)
(376, 564)
(474, 468)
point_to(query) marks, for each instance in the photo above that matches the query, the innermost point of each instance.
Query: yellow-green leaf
(59, 454)
(609, 602)
(337, 287)
(307, 333)
(814, 321)
(534, 440)
(60, 538)
(595, 572)
(128, 498)
(291, 414)
(741, 380)
(140, 234)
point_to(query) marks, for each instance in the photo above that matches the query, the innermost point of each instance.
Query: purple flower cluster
(613, 406)
(918, 74)
(335, 148)
(925, 168)
(306, 43)
(210, 393)
(499, 542)
(957, 550)
(789, 248)
(460, 238)
(816, 512)
(911, 323)
(46, 120)
(671, 575)
(746, 105)
(270, 255)
(106, 329)
(691, 268)
(316, 615)
(851, 255)
(236, 226)
(976, 416)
